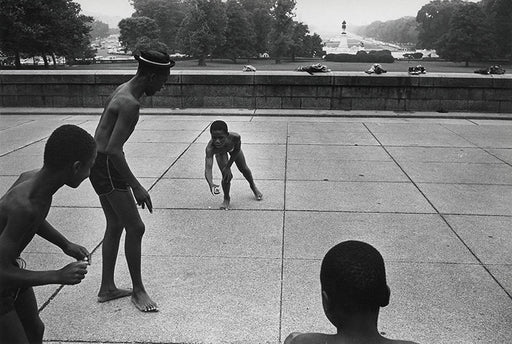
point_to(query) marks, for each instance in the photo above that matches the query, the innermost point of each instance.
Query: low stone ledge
(394, 91)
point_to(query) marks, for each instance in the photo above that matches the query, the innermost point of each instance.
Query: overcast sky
(322, 16)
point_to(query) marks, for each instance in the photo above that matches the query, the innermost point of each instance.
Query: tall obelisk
(343, 47)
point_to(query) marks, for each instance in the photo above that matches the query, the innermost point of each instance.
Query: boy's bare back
(23, 212)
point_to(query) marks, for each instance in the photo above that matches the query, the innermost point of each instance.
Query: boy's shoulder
(234, 135)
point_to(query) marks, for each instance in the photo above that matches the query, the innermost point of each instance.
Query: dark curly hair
(354, 277)
(67, 144)
(219, 125)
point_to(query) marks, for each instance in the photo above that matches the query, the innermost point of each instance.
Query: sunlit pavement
(432, 195)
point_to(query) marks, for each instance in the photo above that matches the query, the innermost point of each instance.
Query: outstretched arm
(11, 241)
(208, 166)
(48, 232)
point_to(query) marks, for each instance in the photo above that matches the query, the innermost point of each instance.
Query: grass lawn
(269, 65)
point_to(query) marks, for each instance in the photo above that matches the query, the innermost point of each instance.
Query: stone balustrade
(454, 92)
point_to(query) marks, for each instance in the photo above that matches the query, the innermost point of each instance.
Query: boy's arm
(11, 241)
(48, 232)
(128, 115)
(208, 166)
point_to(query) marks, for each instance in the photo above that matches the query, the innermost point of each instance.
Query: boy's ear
(76, 166)
(385, 297)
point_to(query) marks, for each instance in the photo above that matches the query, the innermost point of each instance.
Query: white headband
(155, 63)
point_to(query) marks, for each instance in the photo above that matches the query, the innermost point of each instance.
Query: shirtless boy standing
(115, 183)
(222, 143)
(68, 156)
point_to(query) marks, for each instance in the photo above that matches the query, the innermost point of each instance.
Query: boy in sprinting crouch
(353, 281)
(222, 143)
(115, 183)
(68, 156)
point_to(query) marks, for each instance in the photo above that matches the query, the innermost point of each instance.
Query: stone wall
(268, 90)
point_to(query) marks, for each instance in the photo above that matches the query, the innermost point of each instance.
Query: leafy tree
(99, 29)
(469, 36)
(145, 43)
(135, 28)
(282, 28)
(44, 27)
(499, 16)
(261, 19)
(313, 46)
(18, 27)
(299, 34)
(433, 20)
(168, 15)
(402, 30)
(203, 29)
(239, 32)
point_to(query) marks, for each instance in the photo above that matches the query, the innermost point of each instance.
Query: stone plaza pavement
(434, 196)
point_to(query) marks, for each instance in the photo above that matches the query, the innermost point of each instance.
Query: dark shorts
(105, 178)
(9, 296)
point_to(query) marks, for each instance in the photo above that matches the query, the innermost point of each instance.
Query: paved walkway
(433, 195)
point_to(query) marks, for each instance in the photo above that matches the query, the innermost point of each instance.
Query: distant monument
(340, 45)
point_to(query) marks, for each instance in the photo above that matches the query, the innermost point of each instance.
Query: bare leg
(11, 329)
(126, 210)
(244, 169)
(108, 290)
(26, 309)
(222, 161)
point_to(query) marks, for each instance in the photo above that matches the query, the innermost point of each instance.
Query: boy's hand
(214, 189)
(142, 198)
(72, 273)
(78, 252)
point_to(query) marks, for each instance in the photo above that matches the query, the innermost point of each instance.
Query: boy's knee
(227, 178)
(137, 229)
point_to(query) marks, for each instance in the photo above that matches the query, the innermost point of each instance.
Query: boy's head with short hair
(353, 280)
(70, 147)
(218, 126)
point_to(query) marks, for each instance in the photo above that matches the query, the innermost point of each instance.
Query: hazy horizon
(324, 19)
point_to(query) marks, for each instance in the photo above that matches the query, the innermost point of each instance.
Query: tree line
(467, 31)
(47, 28)
(232, 29)
(458, 30)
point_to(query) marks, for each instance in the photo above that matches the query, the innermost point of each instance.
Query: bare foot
(225, 205)
(142, 301)
(113, 294)
(257, 194)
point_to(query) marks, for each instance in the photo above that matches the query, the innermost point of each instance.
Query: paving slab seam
(34, 142)
(395, 261)
(281, 287)
(494, 155)
(19, 148)
(477, 215)
(482, 148)
(179, 156)
(444, 220)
